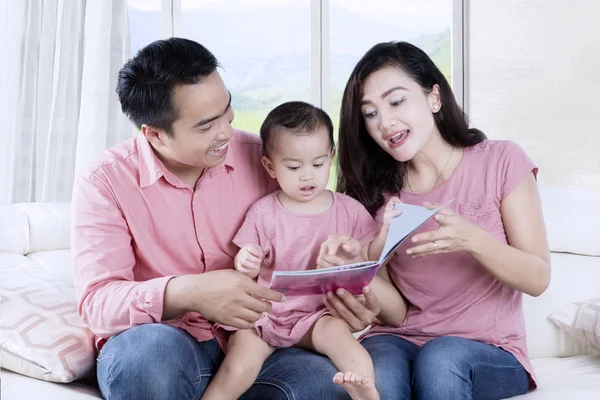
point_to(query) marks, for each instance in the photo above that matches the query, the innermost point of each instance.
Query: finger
(239, 323)
(248, 315)
(324, 263)
(344, 312)
(256, 305)
(330, 261)
(428, 249)
(430, 205)
(357, 308)
(371, 301)
(445, 220)
(352, 247)
(251, 258)
(445, 211)
(331, 309)
(426, 237)
(260, 292)
(255, 250)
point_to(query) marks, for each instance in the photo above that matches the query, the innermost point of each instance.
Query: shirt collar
(152, 168)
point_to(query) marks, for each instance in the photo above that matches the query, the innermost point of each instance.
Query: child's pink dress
(291, 242)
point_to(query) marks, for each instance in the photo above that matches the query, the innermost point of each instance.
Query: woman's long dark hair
(365, 170)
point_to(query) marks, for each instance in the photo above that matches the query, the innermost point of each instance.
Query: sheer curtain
(58, 106)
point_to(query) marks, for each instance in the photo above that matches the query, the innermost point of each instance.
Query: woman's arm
(523, 263)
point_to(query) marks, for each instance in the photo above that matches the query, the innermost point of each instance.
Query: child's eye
(317, 165)
(293, 168)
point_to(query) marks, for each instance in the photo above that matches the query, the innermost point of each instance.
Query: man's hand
(249, 260)
(223, 296)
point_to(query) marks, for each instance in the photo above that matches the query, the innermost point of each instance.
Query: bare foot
(358, 387)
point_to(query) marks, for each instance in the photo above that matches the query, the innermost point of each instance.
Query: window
(144, 23)
(274, 51)
(266, 61)
(356, 25)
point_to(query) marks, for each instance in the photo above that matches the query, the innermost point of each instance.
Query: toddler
(283, 231)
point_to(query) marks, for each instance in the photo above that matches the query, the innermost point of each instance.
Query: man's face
(200, 135)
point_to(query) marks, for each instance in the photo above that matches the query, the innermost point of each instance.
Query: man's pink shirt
(452, 294)
(135, 226)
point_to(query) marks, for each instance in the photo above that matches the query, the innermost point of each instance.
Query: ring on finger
(434, 245)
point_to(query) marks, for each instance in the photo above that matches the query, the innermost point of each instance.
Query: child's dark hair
(295, 117)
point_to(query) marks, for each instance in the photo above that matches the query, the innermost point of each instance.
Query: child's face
(300, 163)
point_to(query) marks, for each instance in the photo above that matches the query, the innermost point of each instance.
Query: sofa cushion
(41, 334)
(49, 225)
(574, 277)
(581, 320)
(570, 221)
(14, 232)
(576, 378)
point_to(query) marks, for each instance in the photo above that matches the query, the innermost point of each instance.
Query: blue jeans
(157, 361)
(450, 368)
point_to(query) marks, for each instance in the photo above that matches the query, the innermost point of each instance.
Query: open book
(353, 277)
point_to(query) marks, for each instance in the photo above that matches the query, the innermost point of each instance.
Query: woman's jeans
(158, 361)
(450, 368)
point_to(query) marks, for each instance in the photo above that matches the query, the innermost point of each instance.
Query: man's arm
(110, 301)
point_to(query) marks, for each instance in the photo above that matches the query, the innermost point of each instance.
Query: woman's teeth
(399, 136)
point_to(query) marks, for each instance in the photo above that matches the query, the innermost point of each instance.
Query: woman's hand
(339, 250)
(357, 314)
(455, 233)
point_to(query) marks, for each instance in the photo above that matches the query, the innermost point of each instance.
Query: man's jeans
(157, 361)
(444, 368)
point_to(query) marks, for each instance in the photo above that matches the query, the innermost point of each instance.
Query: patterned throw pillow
(41, 335)
(580, 320)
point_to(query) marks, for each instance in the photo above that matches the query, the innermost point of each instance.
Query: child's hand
(249, 260)
(390, 212)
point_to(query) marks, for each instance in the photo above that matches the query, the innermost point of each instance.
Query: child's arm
(374, 249)
(249, 260)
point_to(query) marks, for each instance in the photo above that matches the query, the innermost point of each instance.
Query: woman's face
(397, 112)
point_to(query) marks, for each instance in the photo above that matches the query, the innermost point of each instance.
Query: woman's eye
(370, 114)
(397, 102)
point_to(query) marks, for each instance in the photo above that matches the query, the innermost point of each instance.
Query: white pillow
(580, 320)
(41, 335)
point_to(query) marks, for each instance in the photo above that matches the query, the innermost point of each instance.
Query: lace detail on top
(482, 211)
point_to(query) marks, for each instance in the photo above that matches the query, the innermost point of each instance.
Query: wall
(534, 77)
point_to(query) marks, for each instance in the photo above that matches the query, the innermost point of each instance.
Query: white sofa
(566, 369)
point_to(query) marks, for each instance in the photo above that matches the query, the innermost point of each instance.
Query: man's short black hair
(296, 117)
(146, 81)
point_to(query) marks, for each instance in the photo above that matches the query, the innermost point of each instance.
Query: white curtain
(59, 61)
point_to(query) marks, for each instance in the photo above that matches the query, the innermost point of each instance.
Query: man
(153, 221)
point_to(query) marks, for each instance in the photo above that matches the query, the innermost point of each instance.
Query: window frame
(172, 25)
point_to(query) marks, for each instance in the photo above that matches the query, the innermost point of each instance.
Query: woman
(461, 334)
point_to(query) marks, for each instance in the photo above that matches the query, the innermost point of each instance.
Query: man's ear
(268, 166)
(155, 137)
